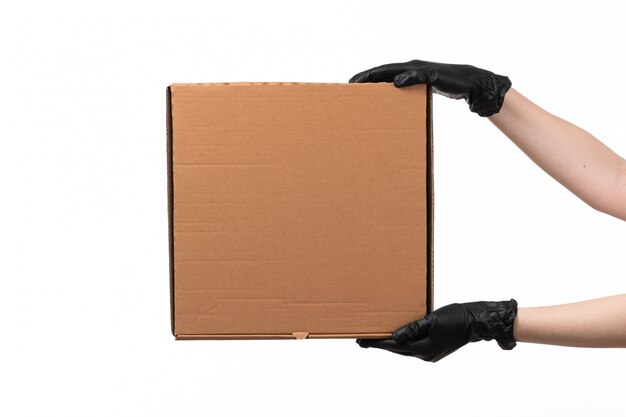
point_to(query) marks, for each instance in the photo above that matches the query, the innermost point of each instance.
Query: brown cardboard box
(299, 209)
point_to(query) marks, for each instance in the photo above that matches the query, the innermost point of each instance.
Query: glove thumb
(413, 331)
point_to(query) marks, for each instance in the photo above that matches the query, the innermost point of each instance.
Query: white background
(84, 293)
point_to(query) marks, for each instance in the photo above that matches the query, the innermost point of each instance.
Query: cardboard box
(299, 209)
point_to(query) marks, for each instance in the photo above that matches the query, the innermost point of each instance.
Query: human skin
(594, 323)
(569, 154)
(595, 174)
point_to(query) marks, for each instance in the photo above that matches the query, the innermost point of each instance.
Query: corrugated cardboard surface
(298, 209)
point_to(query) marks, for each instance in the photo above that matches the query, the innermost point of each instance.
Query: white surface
(84, 281)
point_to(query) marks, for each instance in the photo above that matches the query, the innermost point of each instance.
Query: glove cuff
(489, 94)
(494, 320)
(504, 332)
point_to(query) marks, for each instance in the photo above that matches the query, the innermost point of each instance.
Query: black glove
(483, 90)
(448, 328)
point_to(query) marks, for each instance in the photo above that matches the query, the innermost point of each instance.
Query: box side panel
(170, 202)
(430, 195)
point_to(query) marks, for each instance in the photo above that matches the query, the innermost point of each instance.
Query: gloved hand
(448, 328)
(483, 90)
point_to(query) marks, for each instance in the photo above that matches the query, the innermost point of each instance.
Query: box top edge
(285, 83)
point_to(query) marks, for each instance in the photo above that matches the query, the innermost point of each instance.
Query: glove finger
(385, 344)
(361, 77)
(410, 78)
(367, 343)
(413, 331)
(383, 73)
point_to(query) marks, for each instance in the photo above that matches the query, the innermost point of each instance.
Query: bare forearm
(566, 152)
(594, 323)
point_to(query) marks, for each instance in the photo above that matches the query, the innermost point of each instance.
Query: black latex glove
(448, 328)
(483, 90)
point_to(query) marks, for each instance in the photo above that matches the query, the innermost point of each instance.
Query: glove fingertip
(363, 343)
(373, 343)
(361, 77)
(400, 80)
